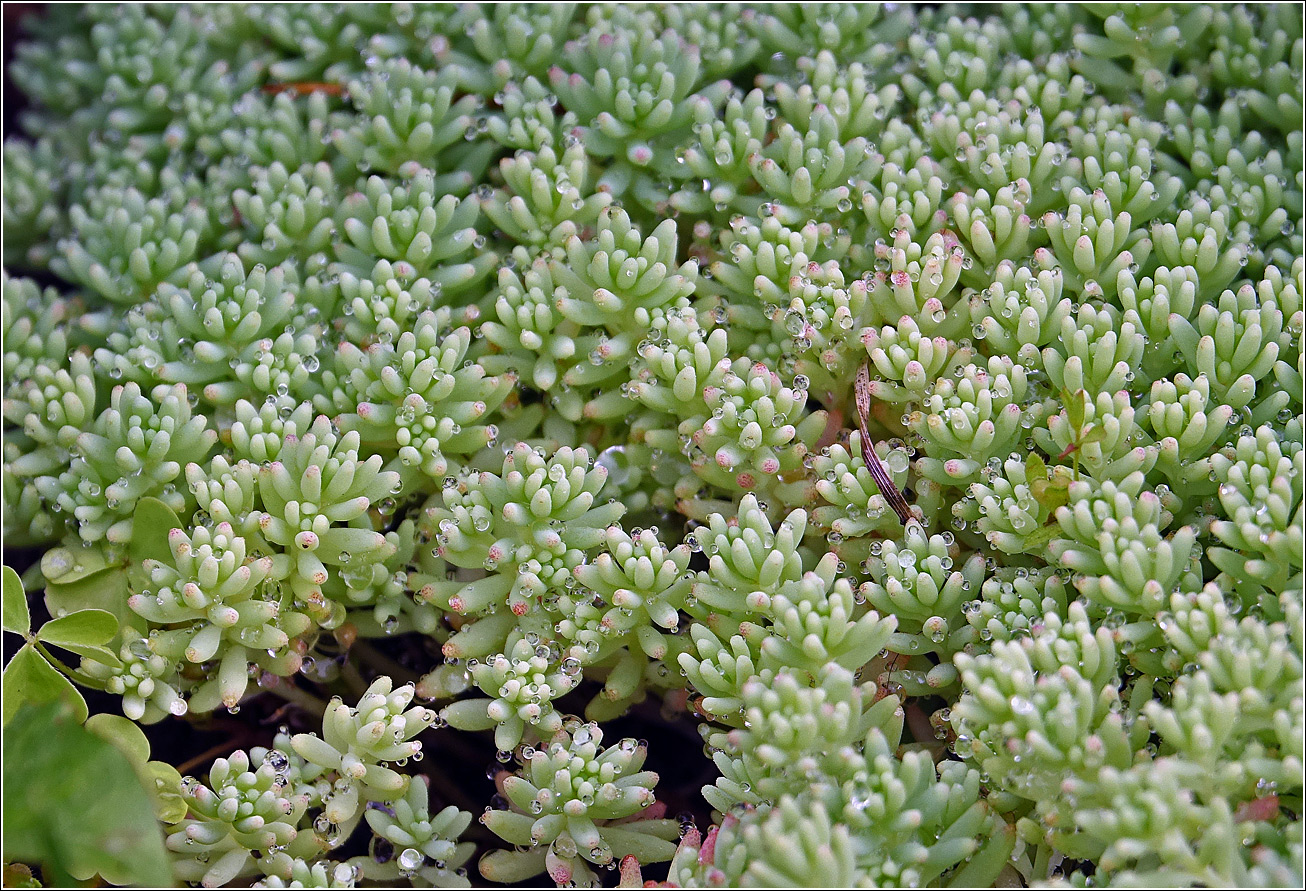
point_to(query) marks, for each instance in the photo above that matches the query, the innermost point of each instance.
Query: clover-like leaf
(73, 803)
(159, 778)
(84, 579)
(124, 734)
(86, 626)
(1074, 403)
(83, 632)
(152, 520)
(29, 678)
(16, 616)
(163, 782)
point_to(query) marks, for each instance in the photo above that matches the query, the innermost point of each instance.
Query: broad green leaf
(1074, 403)
(124, 734)
(1037, 540)
(28, 678)
(83, 578)
(1035, 467)
(151, 522)
(83, 633)
(90, 651)
(91, 627)
(73, 803)
(67, 565)
(16, 616)
(160, 779)
(164, 782)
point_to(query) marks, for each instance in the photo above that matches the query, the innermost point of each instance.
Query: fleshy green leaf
(151, 523)
(73, 803)
(28, 678)
(510, 867)
(1095, 433)
(16, 616)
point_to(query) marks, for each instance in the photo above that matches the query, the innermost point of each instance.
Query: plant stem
(71, 673)
(381, 662)
(287, 690)
(350, 674)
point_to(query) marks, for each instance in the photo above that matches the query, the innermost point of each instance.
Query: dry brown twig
(879, 473)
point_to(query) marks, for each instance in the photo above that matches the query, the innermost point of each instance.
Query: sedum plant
(874, 431)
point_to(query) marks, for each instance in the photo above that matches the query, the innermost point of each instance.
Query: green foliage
(503, 357)
(583, 801)
(34, 675)
(426, 843)
(73, 803)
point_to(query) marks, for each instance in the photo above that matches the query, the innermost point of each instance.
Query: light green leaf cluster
(132, 450)
(209, 587)
(585, 803)
(511, 351)
(358, 743)
(244, 807)
(426, 843)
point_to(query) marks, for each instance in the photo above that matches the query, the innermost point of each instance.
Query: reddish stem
(305, 86)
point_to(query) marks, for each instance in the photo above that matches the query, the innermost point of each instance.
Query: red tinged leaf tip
(347, 634)
(560, 873)
(707, 853)
(304, 87)
(1258, 809)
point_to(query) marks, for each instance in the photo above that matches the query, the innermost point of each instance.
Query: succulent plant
(902, 406)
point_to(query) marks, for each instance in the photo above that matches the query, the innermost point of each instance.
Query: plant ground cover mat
(841, 445)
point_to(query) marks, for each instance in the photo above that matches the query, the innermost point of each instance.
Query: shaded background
(14, 101)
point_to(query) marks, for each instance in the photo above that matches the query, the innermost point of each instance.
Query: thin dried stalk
(879, 473)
